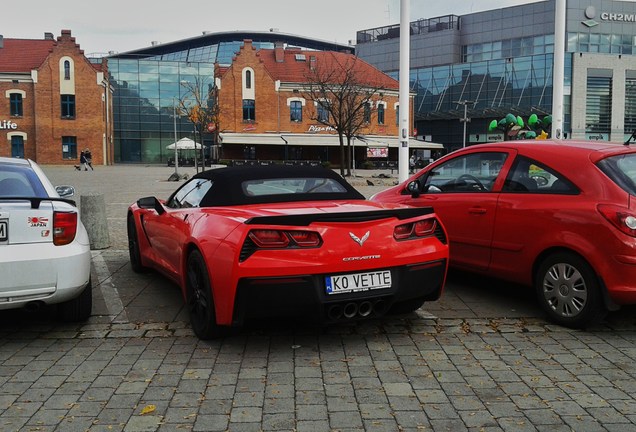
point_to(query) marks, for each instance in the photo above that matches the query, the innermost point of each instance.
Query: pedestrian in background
(83, 162)
(89, 158)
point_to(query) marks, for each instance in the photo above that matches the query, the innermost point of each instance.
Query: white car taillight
(64, 227)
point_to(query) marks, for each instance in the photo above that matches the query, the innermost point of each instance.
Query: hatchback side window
(529, 176)
(475, 172)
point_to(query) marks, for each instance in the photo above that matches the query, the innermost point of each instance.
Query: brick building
(56, 102)
(267, 112)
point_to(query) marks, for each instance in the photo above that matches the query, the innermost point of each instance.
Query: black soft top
(227, 188)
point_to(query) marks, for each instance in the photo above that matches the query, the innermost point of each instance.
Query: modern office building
(482, 66)
(149, 82)
(56, 102)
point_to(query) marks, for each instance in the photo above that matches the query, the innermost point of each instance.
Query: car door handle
(477, 210)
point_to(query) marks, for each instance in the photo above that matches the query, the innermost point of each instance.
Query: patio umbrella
(184, 144)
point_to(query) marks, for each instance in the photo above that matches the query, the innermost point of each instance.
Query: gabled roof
(296, 66)
(24, 55)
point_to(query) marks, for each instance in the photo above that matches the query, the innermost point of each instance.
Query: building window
(248, 79)
(17, 146)
(67, 70)
(381, 114)
(249, 110)
(397, 115)
(68, 106)
(598, 109)
(323, 111)
(296, 111)
(367, 113)
(69, 147)
(15, 101)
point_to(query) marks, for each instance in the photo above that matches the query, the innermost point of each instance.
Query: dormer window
(67, 70)
(248, 79)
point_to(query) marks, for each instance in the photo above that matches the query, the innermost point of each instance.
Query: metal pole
(405, 128)
(558, 71)
(465, 121)
(176, 150)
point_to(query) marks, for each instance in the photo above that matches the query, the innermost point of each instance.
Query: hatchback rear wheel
(569, 291)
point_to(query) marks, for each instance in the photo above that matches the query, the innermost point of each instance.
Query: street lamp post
(465, 119)
(176, 150)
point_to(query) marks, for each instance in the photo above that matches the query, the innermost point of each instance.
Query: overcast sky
(119, 26)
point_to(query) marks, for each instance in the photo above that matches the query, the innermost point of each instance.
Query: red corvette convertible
(246, 242)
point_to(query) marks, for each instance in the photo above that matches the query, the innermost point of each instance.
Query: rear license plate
(358, 282)
(4, 230)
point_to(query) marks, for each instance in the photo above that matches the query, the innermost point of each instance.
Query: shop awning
(321, 140)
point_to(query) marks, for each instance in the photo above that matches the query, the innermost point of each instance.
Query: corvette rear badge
(358, 240)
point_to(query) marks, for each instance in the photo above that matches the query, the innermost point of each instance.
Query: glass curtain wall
(146, 93)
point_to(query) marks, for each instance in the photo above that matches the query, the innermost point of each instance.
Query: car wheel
(79, 308)
(569, 291)
(199, 299)
(133, 246)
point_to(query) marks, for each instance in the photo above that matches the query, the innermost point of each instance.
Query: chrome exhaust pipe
(334, 312)
(365, 309)
(350, 310)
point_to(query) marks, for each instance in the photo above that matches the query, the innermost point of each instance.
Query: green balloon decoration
(514, 127)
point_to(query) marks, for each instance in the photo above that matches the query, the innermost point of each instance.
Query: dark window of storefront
(17, 146)
(69, 147)
(15, 100)
(249, 110)
(296, 111)
(68, 106)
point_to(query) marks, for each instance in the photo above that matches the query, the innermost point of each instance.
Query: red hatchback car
(556, 215)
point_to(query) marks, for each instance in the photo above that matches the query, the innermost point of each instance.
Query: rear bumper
(47, 273)
(305, 296)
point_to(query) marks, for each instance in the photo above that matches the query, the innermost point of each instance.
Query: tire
(199, 299)
(133, 246)
(569, 291)
(78, 309)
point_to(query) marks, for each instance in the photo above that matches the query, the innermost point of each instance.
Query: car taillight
(64, 227)
(305, 238)
(280, 239)
(417, 229)
(622, 218)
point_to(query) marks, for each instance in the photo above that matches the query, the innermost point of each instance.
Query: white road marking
(109, 291)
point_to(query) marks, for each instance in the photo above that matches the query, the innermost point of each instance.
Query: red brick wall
(42, 109)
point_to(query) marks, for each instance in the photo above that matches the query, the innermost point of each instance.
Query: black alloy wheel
(133, 246)
(199, 299)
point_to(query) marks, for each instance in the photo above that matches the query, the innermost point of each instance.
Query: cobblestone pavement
(480, 359)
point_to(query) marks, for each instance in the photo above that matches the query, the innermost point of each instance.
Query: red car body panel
(219, 233)
(506, 234)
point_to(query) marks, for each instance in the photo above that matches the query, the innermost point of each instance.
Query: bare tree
(343, 96)
(199, 104)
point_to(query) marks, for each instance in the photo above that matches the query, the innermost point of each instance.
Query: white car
(45, 255)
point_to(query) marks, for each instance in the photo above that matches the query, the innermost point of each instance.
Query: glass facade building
(148, 83)
(500, 61)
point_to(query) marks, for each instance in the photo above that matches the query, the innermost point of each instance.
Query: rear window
(622, 170)
(286, 186)
(20, 181)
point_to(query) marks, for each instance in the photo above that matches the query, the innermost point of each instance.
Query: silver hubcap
(564, 290)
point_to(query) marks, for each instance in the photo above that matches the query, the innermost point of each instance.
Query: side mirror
(65, 191)
(151, 203)
(414, 188)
